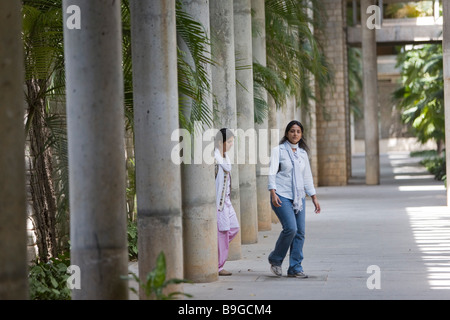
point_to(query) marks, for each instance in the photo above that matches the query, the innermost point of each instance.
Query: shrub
(132, 240)
(156, 282)
(48, 281)
(436, 166)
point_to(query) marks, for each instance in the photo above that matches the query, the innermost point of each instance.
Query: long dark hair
(223, 135)
(302, 143)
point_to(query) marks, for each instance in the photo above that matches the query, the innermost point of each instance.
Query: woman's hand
(316, 204)
(275, 199)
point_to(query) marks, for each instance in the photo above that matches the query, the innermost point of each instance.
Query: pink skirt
(223, 239)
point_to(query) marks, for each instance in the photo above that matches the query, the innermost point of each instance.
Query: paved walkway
(401, 227)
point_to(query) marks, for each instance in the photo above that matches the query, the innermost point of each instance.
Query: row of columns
(173, 217)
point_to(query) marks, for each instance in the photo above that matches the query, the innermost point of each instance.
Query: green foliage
(421, 96)
(131, 189)
(437, 167)
(156, 282)
(48, 281)
(355, 83)
(132, 240)
(434, 163)
(409, 9)
(193, 79)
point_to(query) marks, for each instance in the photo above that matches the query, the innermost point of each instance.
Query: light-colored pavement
(393, 238)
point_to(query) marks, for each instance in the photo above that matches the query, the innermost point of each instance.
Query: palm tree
(43, 38)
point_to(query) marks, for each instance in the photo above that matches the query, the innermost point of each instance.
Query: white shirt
(280, 172)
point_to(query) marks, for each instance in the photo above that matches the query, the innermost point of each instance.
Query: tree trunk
(440, 147)
(41, 181)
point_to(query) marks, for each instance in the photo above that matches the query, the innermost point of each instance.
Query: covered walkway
(401, 227)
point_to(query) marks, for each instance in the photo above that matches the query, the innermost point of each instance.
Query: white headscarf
(298, 188)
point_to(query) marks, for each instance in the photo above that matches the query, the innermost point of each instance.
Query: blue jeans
(292, 237)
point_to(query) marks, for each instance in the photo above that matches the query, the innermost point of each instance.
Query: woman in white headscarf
(290, 180)
(227, 222)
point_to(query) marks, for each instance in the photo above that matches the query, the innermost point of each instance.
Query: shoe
(298, 275)
(276, 270)
(224, 273)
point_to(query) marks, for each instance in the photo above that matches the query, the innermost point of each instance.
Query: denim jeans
(291, 237)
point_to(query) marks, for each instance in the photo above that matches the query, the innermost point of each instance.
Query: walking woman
(290, 180)
(227, 222)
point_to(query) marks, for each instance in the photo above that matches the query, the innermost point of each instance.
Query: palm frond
(193, 80)
(293, 51)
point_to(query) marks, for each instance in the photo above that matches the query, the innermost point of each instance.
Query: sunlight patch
(431, 230)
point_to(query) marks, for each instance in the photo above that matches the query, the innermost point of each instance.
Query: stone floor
(390, 241)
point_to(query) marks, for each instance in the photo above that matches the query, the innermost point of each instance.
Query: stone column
(155, 94)
(370, 90)
(263, 134)
(308, 118)
(446, 52)
(333, 121)
(13, 239)
(246, 121)
(95, 125)
(224, 91)
(199, 196)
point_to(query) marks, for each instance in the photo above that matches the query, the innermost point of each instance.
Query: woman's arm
(273, 170)
(274, 198)
(316, 204)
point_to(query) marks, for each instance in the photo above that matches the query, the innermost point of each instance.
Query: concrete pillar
(246, 121)
(446, 56)
(370, 89)
(259, 55)
(155, 94)
(13, 239)
(199, 202)
(274, 140)
(95, 125)
(224, 91)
